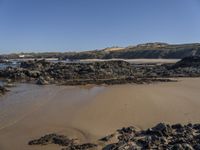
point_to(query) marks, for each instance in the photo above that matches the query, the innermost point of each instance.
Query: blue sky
(67, 25)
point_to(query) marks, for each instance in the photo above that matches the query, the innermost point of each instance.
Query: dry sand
(30, 111)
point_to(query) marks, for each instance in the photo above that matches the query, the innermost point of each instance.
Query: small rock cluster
(162, 136)
(69, 144)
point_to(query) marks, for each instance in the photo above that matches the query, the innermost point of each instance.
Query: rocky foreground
(162, 136)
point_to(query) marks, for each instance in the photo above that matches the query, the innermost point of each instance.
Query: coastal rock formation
(193, 61)
(162, 136)
(106, 72)
(187, 67)
(43, 72)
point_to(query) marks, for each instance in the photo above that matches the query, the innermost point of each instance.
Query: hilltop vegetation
(148, 50)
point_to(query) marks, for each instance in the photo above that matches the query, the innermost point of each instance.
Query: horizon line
(97, 49)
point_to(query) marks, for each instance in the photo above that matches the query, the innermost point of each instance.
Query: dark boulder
(163, 128)
(177, 126)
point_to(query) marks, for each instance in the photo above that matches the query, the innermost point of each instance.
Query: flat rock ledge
(162, 136)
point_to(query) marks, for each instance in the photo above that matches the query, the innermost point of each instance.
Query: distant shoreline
(142, 51)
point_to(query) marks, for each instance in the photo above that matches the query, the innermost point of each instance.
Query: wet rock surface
(69, 144)
(52, 139)
(162, 136)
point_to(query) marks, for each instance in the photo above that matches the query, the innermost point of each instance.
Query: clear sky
(63, 25)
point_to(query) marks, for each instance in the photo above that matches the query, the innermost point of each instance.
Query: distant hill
(148, 50)
(157, 50)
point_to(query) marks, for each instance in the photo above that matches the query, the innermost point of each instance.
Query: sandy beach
(90, 112)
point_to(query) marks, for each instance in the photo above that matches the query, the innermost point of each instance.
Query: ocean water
(12, 64)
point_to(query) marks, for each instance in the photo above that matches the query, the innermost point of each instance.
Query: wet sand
(88, 113)
(137, 61)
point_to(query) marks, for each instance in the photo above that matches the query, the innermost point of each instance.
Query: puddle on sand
(27, 98)
(29, 111)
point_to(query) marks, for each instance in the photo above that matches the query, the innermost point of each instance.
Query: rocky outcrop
(193, 61)
(187, 67)
(162, 136)
(42, 72)
(106, 72)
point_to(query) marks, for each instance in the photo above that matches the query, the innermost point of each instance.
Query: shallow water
(12, 64)
(19, 102)
(45, 109)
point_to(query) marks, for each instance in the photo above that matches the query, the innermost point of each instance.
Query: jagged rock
(127, 130)
(52, 139)
(144, 143)
(129, 138)
(177, 126)
(196, 126)
(163, 128)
